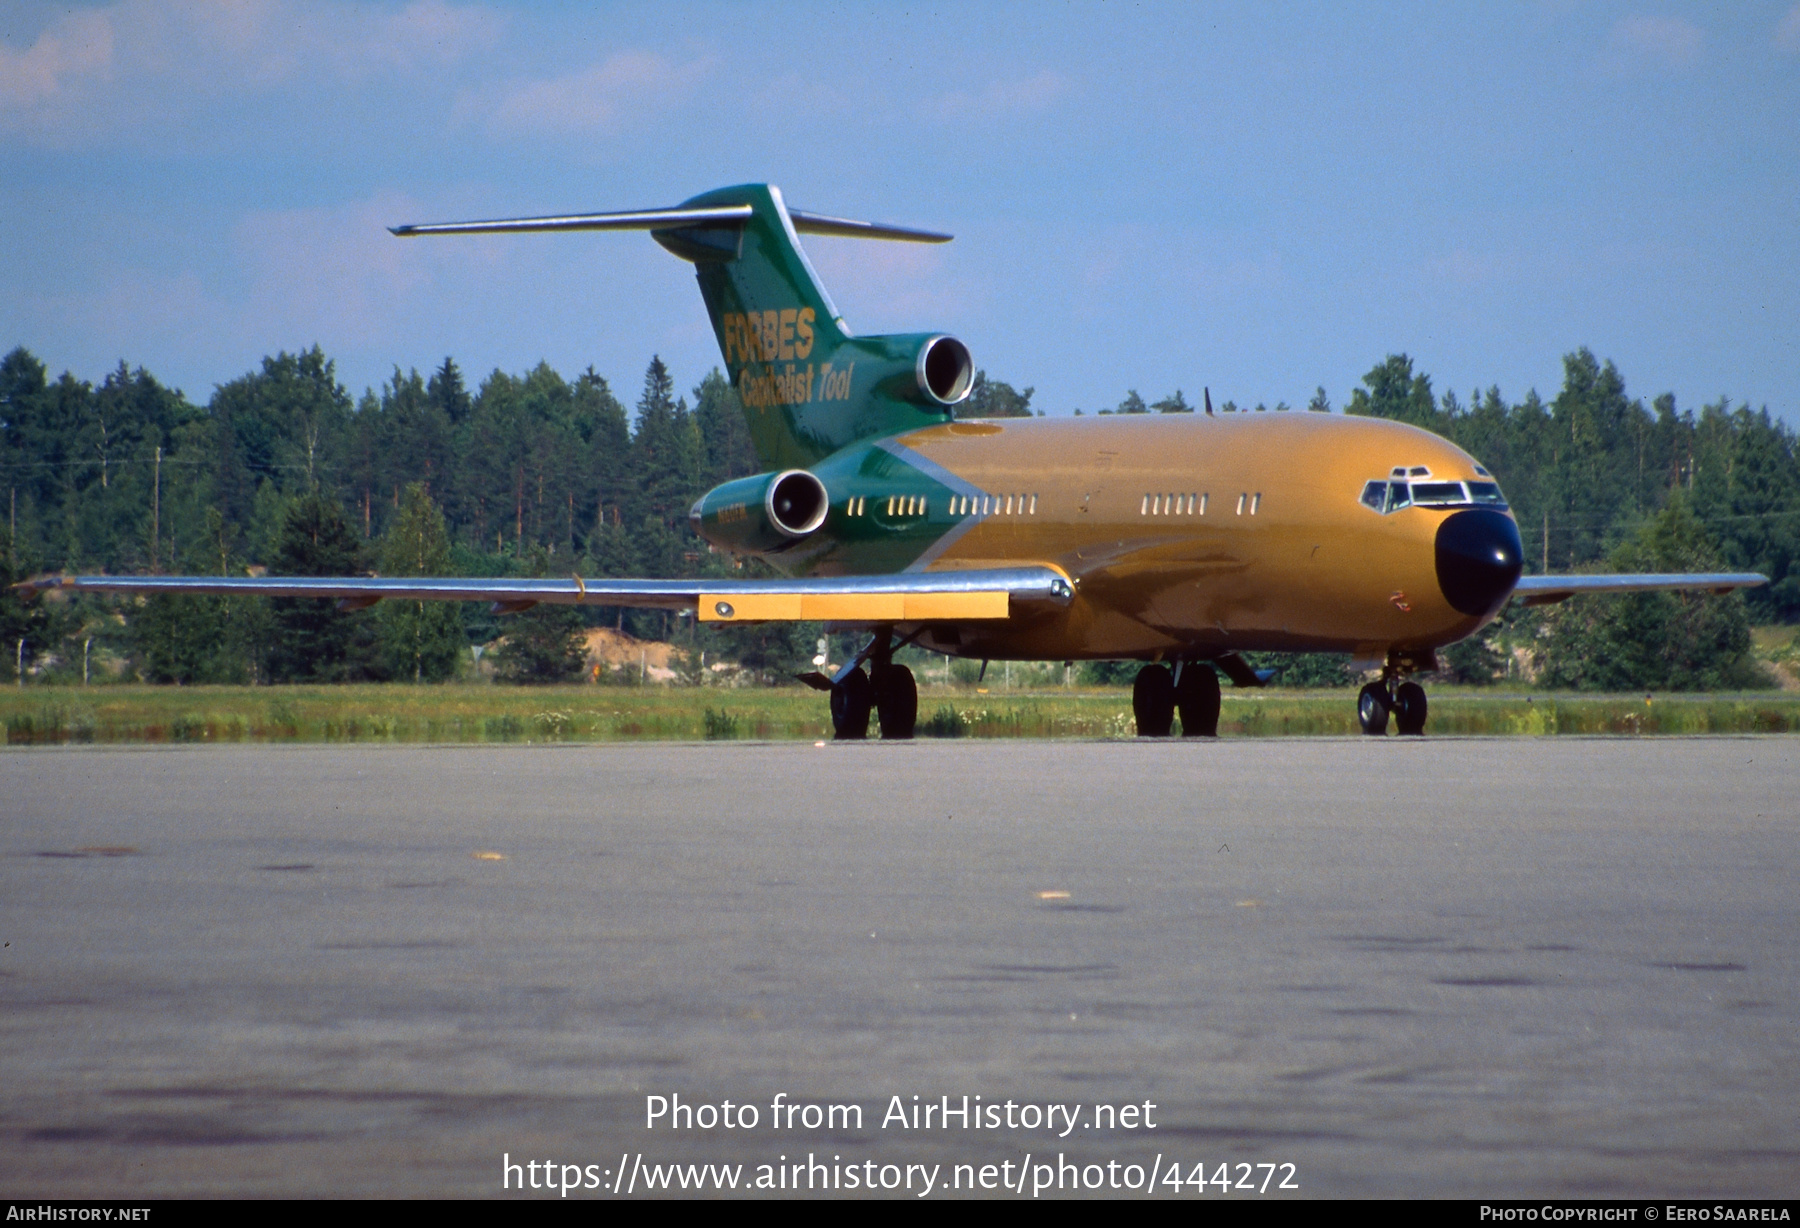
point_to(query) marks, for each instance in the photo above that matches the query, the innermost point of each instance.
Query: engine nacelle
(762, 513)
(944, 370)
(928, 369)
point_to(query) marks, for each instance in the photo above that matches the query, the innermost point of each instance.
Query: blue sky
(1259, 198)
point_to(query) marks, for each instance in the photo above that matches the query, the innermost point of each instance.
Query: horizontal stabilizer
(844, 228)
(908, 597)
(674, 219)
(1548, 590)
(637, 219)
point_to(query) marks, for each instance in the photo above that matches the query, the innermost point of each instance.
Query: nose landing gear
(1409, 708)
(1373, 705)
(1405, 701)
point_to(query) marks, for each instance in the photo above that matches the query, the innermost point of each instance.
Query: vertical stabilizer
(808, 385)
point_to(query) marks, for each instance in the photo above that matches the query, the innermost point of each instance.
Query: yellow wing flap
(854, 607)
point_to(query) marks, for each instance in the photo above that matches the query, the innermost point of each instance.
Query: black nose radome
(1479, 556)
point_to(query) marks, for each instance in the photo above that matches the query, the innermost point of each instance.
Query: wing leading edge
(993, 593)
(1548, 590)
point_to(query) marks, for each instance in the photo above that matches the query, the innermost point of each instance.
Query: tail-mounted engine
(763, 513)
(929, 369)
(944, 370)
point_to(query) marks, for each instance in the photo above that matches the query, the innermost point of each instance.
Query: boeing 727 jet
(1182, 541)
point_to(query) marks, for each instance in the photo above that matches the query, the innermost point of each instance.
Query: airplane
(1182, 541)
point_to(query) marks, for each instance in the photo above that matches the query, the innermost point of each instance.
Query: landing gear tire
(1153, 702)
(1409, 709)
(1372, 707)
(1197, 695)
(896, 701)
(851, 701)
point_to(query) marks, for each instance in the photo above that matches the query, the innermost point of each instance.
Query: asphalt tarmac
(1511, 967)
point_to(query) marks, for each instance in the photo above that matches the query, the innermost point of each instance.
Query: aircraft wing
(1548, 590)
(954, 596)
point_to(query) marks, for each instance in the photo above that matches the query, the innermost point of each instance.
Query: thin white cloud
(334, 272)
(431, 32)
(885, 287)
(1001, 99)
(331, 274)
(598, 99)
(273, 41)
(98, 72)
(1643, 42)
(1787, 34)
(76, 48)
(110, 320)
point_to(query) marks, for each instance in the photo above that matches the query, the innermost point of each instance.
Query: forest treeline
(537, 474)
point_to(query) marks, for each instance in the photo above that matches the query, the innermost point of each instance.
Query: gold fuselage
(1199, 535)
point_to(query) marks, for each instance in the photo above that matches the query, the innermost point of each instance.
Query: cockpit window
(1438, 494)
(1391, 496)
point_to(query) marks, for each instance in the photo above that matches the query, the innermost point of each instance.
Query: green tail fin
(808, 385)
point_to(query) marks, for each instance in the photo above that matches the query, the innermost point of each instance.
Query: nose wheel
(1409, 709)
(1405, 703)
(1373, 705)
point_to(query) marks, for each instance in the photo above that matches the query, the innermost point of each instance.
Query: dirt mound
(614, 650)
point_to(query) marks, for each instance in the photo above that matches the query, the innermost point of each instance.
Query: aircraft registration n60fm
(1180, 540)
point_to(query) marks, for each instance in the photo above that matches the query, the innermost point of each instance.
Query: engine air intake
(946, 372)
(797, 502)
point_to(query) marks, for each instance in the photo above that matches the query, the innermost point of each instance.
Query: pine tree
(724, 432)
(543, 645)
(420, 640)
(312, 640)
(665, 451)
(1654, 641)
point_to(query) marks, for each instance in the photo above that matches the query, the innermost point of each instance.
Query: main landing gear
(1404, 701)
(1193, 690)
(887, 691)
